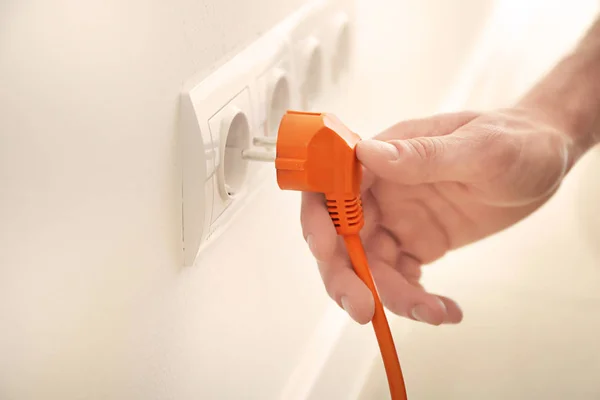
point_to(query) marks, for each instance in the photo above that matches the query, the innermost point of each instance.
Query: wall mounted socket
(322, 46)
(276, 91)
(299, 64)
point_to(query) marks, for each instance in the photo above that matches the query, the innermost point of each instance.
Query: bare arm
(569, 95)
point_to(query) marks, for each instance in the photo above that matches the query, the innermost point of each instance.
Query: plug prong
(264, 141)
(256, 155)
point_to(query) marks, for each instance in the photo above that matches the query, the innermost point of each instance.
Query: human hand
(432, 185)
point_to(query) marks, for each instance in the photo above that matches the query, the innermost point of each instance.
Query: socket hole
(341, 58)
(280, 103)
(234, 165)
(313, 78)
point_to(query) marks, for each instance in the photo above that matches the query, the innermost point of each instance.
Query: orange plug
(317, 153)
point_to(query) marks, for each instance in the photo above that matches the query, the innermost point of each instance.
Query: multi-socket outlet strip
(302, 63)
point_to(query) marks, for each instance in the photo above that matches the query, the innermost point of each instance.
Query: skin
(436, 184)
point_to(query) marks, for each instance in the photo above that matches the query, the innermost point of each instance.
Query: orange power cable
(316, 153)
(380, 323)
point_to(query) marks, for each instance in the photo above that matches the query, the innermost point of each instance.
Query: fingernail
(456, 316)
(347, 306)
(422, 313)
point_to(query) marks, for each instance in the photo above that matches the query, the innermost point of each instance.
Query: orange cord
(317, 153)
(380, 323)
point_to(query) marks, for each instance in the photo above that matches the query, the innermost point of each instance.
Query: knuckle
(501, 151)
(424, 148)
(528, 168)
(494, 152)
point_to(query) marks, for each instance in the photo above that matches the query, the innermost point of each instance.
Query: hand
(432, 185)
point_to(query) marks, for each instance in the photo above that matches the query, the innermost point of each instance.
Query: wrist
(572, 108)
(577, 127)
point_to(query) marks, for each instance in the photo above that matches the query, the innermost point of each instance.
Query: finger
(404, 299)
(419, 231)
(437, 125)
(341, 283)
(410, 268)
(346, 288)
(397, 294)
(411, 140)
(454, 314)
(368, 180)
(371, 214)
(317, 228)
(422, 159)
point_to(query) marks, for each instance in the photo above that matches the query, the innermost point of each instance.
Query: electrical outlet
(276, 90)
(299, 64)
(322, 45)
(339, 44)
(305, 38)
(230, 129)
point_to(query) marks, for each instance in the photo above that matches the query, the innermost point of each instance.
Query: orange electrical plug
(316, 153)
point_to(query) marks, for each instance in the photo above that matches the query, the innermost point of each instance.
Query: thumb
(421, 159)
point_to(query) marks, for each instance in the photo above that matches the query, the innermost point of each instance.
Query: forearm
(569, 96)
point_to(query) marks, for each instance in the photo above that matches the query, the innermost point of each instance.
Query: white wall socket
(296, 65)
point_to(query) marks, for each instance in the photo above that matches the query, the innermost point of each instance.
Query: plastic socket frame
(302, 63)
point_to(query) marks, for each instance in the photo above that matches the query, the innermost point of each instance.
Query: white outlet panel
(296, 65)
